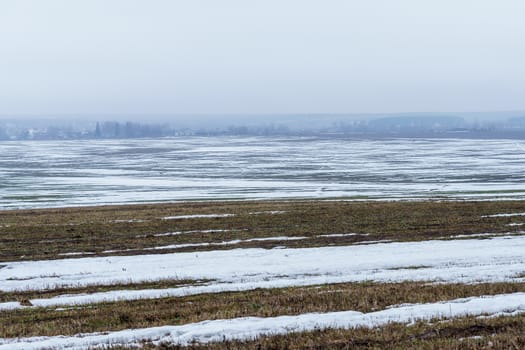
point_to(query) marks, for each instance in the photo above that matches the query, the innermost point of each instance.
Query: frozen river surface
(63, 173)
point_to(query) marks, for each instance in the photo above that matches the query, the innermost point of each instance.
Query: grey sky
(236, 56)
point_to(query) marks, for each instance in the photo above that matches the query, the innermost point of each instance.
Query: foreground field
(132, 269)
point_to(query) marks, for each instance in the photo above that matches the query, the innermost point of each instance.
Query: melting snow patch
(193, 231)
(374, 242)
(344, 235)
(76, 253)
(454, 261)
(232, 242)
(271, 212)
(209, 244)
(505, 215)
(197, 216)
(247, 328)
(129, 220)
(486, 235)
(279, 238)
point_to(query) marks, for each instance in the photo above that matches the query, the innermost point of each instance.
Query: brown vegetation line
(48, 233)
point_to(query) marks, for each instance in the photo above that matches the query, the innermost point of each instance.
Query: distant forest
(329, 126)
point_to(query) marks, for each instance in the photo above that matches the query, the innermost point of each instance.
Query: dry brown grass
(364, 297)
(48, 233)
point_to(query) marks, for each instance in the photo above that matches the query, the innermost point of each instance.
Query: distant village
(385, 127)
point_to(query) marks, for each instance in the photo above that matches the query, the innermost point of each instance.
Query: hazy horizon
(255, 117)
(137, 57)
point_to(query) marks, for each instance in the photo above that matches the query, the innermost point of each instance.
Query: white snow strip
(503, 313)
(196, 216)
(121, 295)
(516, 224)
(448, 260)
(271, 212)
(476, 337)
(504, 215)
(232, 242)
(373, 242)
(463, 261)
(248, 328)
(12, 305)
(76, 253)
(278, 238)
(474, 235)
(129, 220)
(188, 245)
(208, 244)
(335, 235)
(176, 233)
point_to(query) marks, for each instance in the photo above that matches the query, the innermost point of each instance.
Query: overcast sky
(242, 56)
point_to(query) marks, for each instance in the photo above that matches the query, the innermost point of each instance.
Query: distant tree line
(110, 130)
(441, 126)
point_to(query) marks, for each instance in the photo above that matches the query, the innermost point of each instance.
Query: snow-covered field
(65, 173)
